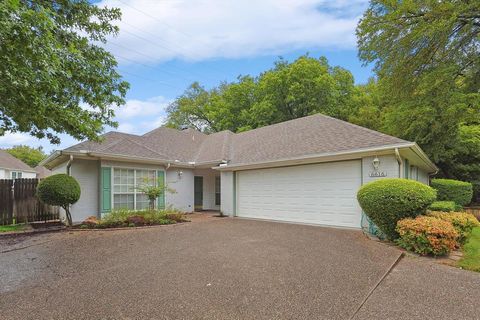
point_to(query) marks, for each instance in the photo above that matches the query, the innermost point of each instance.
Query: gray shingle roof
(310, 135)
(42, 172)
(8, 161)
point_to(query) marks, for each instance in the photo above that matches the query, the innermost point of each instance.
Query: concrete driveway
(223, 268)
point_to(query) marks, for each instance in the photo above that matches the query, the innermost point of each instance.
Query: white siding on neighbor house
(208, 188)
(86, 172)
(227, 193)
(7, 174)
(388, 165)
(28, 175)
(182, 198)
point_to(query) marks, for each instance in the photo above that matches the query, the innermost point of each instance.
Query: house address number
(378, 174)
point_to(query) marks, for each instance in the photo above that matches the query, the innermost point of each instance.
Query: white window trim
(17, 173)
(112, 192)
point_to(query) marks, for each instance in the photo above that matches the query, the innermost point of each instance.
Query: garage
(323, 193)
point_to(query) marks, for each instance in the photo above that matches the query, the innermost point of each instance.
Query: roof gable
(8, 161)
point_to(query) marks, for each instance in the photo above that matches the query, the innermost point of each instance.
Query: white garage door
(319, 194)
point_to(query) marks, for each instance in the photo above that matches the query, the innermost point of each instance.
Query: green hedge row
(457, 191)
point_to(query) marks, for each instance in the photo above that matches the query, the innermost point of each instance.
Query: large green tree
(427, 59)
(54, 75)
(29, 155)
(287, 91)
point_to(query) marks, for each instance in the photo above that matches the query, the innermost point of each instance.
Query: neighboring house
(306, 170)
(13, 168)
(42, 172)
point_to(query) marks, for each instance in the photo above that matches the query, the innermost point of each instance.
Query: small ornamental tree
(59, 190)
(153, 191)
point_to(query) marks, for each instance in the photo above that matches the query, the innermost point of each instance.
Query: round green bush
(387, 201)
(460, 192)
(59, 190)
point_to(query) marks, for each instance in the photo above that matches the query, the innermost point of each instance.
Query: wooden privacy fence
(19, 204)
(474, 210)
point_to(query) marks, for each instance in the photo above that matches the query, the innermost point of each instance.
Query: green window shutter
(105, 189)
(161, 183)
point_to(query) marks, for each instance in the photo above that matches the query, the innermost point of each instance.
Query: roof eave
(425, 158)
(110, 156)
(322, 157)
(45, 162)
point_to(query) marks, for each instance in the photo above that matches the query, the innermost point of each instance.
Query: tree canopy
(54, 77)
(287, 91)
(29, 155)
(427, 60)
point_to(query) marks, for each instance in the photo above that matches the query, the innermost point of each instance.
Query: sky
(165, 45)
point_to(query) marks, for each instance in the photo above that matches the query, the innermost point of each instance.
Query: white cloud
(156, 31)
(136, 116)
(11, 139)
(126, 128)
(149, 107)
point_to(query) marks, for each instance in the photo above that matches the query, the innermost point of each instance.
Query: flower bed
(130, 218)
(427, 235)
(462, 222)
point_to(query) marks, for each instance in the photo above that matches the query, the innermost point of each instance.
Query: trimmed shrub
(462, 222)
(387, 201)
(445, 206)
(427, 235)
(59, 190)
(125, 218)
(460, 192)
(176, 216)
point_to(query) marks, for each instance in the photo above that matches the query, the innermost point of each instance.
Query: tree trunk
(152, 204)
(69, 216)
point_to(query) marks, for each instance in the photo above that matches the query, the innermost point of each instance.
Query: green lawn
(471, 252)
(16, 227)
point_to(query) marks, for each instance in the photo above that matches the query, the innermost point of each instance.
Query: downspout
(400, 162)
(69, 164)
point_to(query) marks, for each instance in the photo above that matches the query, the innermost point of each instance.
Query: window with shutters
(125, 188)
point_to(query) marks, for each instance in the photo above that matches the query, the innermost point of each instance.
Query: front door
(198, 193)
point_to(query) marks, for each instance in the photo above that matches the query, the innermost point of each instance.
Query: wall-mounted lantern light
(376, 163)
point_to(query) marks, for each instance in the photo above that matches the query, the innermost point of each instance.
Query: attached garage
(323, 193)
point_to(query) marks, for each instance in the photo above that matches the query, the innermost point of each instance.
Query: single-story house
(306, 170)
(13, 168)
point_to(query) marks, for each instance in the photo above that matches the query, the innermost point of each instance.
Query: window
(16, 175)
(217, 190)
(125, 188)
